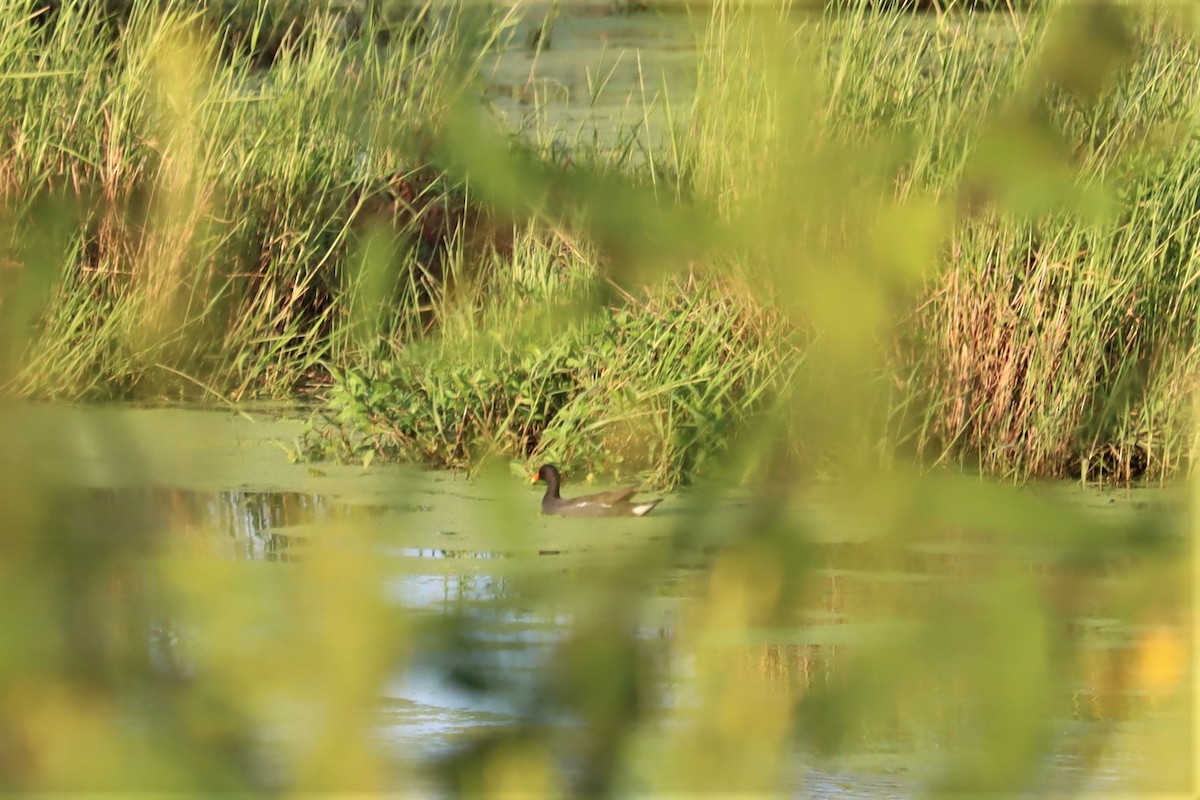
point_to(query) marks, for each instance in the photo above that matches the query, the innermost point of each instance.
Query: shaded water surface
(488, 590)
(598, 77)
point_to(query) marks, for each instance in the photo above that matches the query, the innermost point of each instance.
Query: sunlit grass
(210, 201)
(279, 212)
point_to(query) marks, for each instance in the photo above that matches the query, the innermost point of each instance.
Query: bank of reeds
(951, 237)
(991, 214)
(1056, 336)
(205, 207)
(659, 386)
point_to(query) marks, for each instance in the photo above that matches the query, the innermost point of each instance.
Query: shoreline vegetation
(948, 238)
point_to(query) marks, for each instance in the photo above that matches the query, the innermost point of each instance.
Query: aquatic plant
(659, 386)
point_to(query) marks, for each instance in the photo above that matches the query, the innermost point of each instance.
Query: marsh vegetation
(845, 273)
(349, 216)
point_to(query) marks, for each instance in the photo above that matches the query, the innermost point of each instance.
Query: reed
(995, 239)
(212, 205)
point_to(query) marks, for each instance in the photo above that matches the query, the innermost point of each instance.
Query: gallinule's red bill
(616, 503)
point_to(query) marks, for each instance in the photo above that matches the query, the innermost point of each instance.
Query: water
(469, 601)
(604, 79)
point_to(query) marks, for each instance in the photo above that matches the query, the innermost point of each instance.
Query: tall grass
(658, 386)
(1058, 335)
(210, 199)
(1013, 224)
(347, 211)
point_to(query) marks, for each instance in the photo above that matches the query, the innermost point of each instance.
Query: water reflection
(257, 526)
(852, 581)
(448, 593)
(484, 641)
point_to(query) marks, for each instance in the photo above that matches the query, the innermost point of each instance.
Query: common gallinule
(605, 504)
